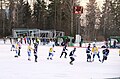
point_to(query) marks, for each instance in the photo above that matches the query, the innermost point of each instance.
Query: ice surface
(58, 68)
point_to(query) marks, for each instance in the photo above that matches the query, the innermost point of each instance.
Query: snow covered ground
(58, 68)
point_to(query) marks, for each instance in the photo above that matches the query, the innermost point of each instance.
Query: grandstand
(22, 32)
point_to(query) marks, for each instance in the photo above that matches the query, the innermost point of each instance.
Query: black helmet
(94, 45)
(89, 44)
(74, 49)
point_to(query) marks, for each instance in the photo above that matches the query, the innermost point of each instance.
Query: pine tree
(91, 19)
(115, 10)
(59, 17)
(20, 14)
(110, 22)
(40, 14)
(66, 17)
(27, 15)
(52, 14)
(97, 24)
(10, 19)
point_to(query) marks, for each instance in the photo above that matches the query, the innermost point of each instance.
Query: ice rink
(58, 68)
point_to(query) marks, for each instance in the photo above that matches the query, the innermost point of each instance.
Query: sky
(82, 2)
(100, 2)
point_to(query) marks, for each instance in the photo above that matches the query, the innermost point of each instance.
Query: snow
(58, 68)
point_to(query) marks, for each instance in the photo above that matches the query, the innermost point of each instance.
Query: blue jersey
(64, 49)
(105, 52)
(88, 49)
(72, 52)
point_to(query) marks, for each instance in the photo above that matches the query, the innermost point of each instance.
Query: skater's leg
(99, 57)
(65, 55)
(19, 52)
(49, 56)
(103, 59)
(36, 58)
(52, 54)
(29, 54)
(16, 54)
(93, 57)
(11, 49)
(72, 59)
(61, 54)
(88, 58)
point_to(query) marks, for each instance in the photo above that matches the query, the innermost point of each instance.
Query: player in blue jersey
(88, 52)
(71, 55)
(105, 54)
(64, 51)
(35, 51)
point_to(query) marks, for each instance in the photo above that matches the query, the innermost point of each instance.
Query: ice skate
(50, 58)
(102, 61)
(99, 60)
(71, 63)
(29, 59)
(60, 56)
(35, 60)
(89, 60)
(16, 56)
